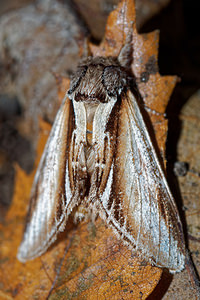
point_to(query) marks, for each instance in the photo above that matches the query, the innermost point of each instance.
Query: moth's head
(99, 78)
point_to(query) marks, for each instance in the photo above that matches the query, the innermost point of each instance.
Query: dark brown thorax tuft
(97, 79)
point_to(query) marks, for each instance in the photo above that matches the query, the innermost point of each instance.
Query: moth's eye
(113, 80)
(76, 78)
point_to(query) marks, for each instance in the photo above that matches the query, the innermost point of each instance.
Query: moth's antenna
(125, 56)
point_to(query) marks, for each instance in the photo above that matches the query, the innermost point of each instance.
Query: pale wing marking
(147, 204)
(149, 180)
(49, 192)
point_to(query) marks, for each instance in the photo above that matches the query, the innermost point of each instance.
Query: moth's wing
(136, 200)
(51, 192)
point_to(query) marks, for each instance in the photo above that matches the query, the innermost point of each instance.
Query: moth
(100, 159)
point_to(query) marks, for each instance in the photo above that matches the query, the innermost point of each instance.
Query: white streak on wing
(142, 128)
(106, 194)
(67, 184)
(148, 180)
(101, 116)
(104, 201)
(153, 177)
(80, 120)
(39, 231)
(144, 181)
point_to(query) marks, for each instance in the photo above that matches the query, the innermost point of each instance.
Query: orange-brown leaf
(96, 264)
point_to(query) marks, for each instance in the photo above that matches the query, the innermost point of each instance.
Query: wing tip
(180, 266)
(22, 255)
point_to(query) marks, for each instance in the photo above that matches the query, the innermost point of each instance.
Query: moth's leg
(72, 151)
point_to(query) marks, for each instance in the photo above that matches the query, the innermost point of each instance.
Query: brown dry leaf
(92, 262)
(146, 9)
